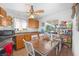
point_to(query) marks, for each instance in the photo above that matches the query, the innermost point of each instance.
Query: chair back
(29, 47)
(41, 36)
(34, 37)
(55, 37)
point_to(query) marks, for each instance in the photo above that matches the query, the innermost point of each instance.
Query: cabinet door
(9, 20)
(3, 12)
(19, 41)
(27, 37)
(37, 24)
(6, 21)
(32, 23)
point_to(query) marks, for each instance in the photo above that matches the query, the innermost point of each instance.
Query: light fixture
(1, 16)
(32, 16)
(33, 13)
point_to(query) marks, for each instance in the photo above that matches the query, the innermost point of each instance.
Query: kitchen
(27, 20)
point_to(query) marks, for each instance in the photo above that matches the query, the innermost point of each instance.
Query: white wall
(75, 42)
(61, 15)
(75, 45)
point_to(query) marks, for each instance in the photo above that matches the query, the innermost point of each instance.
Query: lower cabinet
(19, 41)
(26, 36)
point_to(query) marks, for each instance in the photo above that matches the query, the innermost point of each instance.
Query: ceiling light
(31, 16)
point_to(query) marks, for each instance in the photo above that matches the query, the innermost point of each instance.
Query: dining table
(44, 47)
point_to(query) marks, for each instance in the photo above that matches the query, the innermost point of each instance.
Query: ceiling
(18, 10)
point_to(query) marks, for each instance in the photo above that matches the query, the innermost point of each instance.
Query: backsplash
(27, 30)
(6, 28)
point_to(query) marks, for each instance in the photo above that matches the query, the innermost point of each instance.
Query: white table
(44, 47)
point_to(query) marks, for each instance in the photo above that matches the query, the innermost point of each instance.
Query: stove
(6, 34)
(6, 37)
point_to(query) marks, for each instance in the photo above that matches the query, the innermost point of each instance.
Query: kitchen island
(19, 44)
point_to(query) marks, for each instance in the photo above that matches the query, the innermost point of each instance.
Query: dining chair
(57, 38)
(48, 35)
(41, 36)
(29, 48)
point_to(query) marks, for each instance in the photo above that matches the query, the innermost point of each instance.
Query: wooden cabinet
(36, 24)
(32, 23)
(26, 36)
(9, 20)
(19, 41)
(6, 21)
(2, 12)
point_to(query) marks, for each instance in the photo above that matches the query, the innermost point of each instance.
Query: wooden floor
(21, 52)
(64, 52)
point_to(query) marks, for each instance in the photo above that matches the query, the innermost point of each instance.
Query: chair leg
(56, 50)
(60, 46)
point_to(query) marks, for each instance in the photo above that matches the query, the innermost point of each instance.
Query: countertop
(22, 33)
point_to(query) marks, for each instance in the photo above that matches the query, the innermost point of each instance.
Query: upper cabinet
(6, 21)
(33, 23)
(10, 22)
(2, 12)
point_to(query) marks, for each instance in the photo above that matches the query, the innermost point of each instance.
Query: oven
(6, 38)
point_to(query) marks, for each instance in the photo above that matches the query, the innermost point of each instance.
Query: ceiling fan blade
(31, 9)
(39, 11)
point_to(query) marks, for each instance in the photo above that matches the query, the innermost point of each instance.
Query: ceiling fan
(32, 13)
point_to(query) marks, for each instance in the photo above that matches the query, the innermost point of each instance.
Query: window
(20, 24)
(49, 27)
